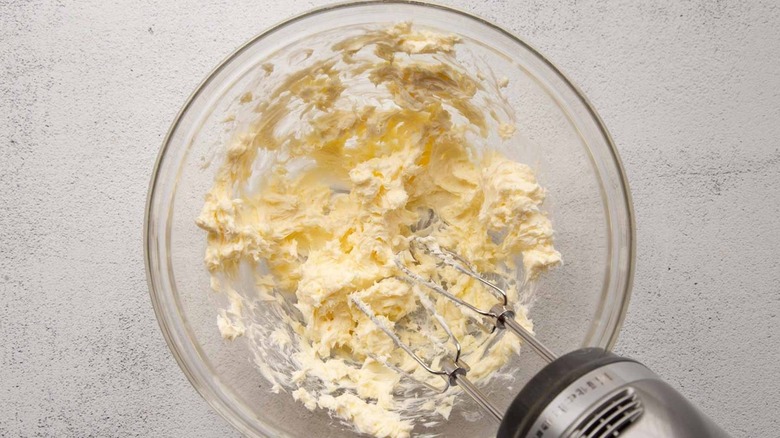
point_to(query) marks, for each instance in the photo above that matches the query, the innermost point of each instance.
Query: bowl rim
(216, 402)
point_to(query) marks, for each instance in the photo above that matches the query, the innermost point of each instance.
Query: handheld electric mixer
(586, 393)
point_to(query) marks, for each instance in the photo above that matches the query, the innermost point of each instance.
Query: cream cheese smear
(342, 194)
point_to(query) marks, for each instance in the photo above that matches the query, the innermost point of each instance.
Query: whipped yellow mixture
(347, 181)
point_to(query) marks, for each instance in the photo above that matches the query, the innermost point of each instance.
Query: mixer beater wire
(501, 314)
(453, 370)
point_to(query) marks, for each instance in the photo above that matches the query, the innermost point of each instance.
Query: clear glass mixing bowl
(579, 304)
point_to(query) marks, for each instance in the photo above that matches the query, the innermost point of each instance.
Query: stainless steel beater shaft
(457, 375)
(505, 318)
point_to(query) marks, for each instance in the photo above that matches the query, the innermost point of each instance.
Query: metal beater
(586, 393)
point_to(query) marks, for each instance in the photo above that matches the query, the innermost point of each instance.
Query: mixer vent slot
(612, 417)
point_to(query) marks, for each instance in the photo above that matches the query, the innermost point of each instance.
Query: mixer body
(588, 393)
(595, 394)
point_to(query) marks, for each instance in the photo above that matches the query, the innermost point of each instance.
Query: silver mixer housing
(623, 399)
(600, 395)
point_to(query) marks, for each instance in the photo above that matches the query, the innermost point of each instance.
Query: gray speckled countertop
(690, 91)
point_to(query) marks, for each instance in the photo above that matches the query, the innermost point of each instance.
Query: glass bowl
(579, 304)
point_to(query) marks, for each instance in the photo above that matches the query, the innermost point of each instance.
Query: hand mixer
(587, 393)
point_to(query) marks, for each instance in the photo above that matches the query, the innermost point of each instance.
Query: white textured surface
(690, 92)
